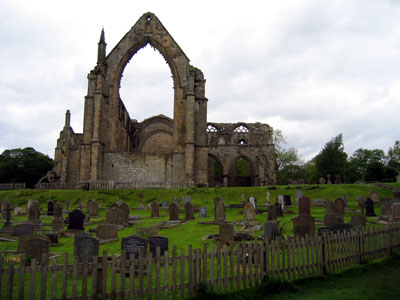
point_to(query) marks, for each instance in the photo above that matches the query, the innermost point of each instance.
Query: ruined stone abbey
(186, 149)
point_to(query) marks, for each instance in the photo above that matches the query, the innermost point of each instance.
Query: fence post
(264, 266)
(360, 248)
(323, 258)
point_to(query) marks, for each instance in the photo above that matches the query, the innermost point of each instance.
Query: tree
(332, 159)
(24, 165)
(368, 165)
(393, 156)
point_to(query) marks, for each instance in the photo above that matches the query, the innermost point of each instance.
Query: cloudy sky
(312, 69)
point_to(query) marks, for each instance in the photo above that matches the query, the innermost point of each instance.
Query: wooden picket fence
(12, 186)
(177, 274)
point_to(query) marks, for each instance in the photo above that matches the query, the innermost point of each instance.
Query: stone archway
(215, 171)
(241, 172)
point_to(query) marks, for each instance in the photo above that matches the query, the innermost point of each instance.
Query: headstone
(253, 201)
(331, 217)
(396, 212)
(113, 216)
(226, 232)
(304, 206)
(243, 197)
(4, 204)
(267, 202)
(322, 180)
(248, 212)
(125, 210)
(358, 222)
(339, 203)
(177, 201)
(219, 210)
(50, 208)
(18, 211)
(189, 212)
(76, 219)
(58, 210)
(86, 244)
(53, 238)
(58, 223)
(282, 206)
(203, 212)
(303, 225)
(346, 200)
(271, 230)
(329, 179)
(396, 197)
(132, 244)
(361, 202)
(158, 242)
(287, 200)
(185, 199)
(279, 212)
(298, 195)
(93, 208)
(369, 208)
(67, 206)
(7, 227)
(173, 211)
(374, 195)
(28, 204)
(338, 180)
(272, 213)
(155, 209)
(317, 202)
(386, 208)
(34, 215)
(22, 229)
(147, 231)
(164, 204)
(33, 245)
(107, 232)
(345, 227)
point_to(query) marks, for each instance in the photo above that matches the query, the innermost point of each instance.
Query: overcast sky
(312, 69)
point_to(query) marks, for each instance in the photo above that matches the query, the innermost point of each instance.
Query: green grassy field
(190, 232)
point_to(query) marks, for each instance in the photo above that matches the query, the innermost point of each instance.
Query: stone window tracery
(241, 129)
(211, 129)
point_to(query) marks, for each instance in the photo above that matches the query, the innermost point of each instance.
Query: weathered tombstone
(329, 179)
(189, 212)
(226, 232)
(50, 208)
(331, 217)
(396, 212)
(253, 201)
(147, 231)
(113, 216)
(203, 212)
(132, 244)
(374, 195)
(318, 202)
(58, 223)
(271, 230)
(67, 206)
(248, 212)
(86, 244)
(339, 203)
(53, 238)
(107, 232)
(125, 210)
(386, 208)
(4, 208)
(33, 245)
(396, 197)
(279, 212)
(267, 202)
(298, 195)
(346, 200)
(272, 213)
(34, 215)
(303, 225)
(369, 208)
(93, 208)
(155, 209)
(22, 229)
(58, 210)
(18, 211)
(164, 204)
(358, 222)
(304, 206)
(28, 205)
(7, 227)
(361, 202)
(287, 200)
(282, 206)
(173, 211)
(185, 199)
(219, 210)
(76, 219)
(158, 242)
(177, 201)
(243, 197)
(345, 227)
(338, 180)
(322, 180)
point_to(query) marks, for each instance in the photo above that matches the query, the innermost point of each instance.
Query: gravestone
(282, 206)
(125, 210)
(331, 217)
(203, 212)
(248, 212)
(66, 207)
(113, 216)
(58, 223)
(361, 202)
(185, 199)
(177, 201)
(147, 231)
(132, 244)
(369, 208)
(317, 202)
(219, 210)
(396, 197)
(93, 208)
(287, 200)
(386, 208)
(374, 195)
(18, 211)
(303, 225)
(76, 219)
(158, 242)
(226, 232)
(7, 227)
(4, 204)
(253, 201)
(304, 206)
(155, 209)
(28, 204)
(271, 230)
(329, 179)
(358, 222)
(279, 212)
(173, 211)
(107, 232)
(243, 197)
(34, 215)
(345, 227)
(189, 213)
(50, 208)
(84, 243)
(322, 180)
(396, 212)
(267, 201)
(346, 200)
(271, 213)
(58, 210)
(22, 229)
(298, 195)
(164, 204)
(53, 238)
(338, 180)
(339, 203)
(34, 245)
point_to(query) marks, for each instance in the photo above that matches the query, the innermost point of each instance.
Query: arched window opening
(147, 85)
(211, 129)
(241, 173)
(215, 172)
(243, 167)
(242, 142)
(241, 129)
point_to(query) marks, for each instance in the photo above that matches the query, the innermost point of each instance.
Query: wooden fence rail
(177, 274)
(110, 185)
(12, 186)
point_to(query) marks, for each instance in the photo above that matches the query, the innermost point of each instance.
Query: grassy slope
(190, 232)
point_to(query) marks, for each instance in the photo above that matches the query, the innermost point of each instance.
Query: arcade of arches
(185, 149)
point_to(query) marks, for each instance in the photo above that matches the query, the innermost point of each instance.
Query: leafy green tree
(24, 165)
(393, 156)
(367, 165)
(332, 159)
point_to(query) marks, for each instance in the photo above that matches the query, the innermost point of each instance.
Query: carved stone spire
(101, 52)
(67, 118)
